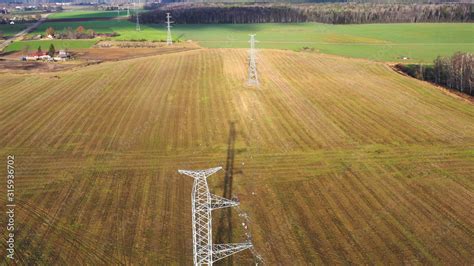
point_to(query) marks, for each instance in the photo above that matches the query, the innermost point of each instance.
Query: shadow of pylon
(224, 228)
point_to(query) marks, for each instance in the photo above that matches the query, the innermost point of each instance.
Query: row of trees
(389, 13)
(233, 14)
(455, 72)
(51, 51)
(334, 13)
(68, 33)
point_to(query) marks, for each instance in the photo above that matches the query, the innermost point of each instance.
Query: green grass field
(126, 29)
(381, 42)
(88, 14)
(58, 44)
(10, 30)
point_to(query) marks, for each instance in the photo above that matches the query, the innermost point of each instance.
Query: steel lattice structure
(169, 40)
(203, 202)
(136, 14)
(253, 78)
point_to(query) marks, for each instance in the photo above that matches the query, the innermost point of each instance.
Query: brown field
(121, 50)
(17, 66)
(11, 63)
(337, 161)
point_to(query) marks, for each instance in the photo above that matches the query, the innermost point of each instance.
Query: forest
(455, 72)
(334, 13)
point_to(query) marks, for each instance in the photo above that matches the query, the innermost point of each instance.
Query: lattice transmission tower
(136, 14)
(253, 78)
(169, 40)
(203, 202)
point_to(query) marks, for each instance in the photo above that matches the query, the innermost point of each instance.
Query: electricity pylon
(169, 40)
(253, 78)
(203, 202)
(136, 14)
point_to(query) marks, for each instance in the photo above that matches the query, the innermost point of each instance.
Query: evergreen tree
(51, 50)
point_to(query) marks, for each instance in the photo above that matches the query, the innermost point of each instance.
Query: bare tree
(455, 72)
(334, 13)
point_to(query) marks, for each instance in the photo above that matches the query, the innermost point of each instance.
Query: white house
(63, 54)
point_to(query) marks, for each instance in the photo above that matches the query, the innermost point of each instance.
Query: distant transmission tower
(203, 202)
(136, 14)
(253, 78)
(169, 40)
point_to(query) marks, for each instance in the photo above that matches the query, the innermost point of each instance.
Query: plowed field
(335, 160)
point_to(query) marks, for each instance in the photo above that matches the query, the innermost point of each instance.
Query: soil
(11, 62)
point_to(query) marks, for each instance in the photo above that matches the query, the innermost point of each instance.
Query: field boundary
(448, 91)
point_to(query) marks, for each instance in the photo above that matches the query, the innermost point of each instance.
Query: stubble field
(335, 160)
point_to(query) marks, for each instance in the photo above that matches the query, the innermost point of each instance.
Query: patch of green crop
(58, 44)
(383, 42)
(10, 30)
(405, 42)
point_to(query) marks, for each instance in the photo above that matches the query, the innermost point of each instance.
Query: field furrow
(335, 160)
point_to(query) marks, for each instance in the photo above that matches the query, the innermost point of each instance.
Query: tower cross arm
(218, 202)
(220, 251)
(200, 173)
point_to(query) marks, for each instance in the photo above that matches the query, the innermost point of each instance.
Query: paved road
(22, 33)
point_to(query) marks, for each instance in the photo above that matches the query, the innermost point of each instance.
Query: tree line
(51, 51)
(79, 33)
(68, 33)
(455, 72)
(334, 13)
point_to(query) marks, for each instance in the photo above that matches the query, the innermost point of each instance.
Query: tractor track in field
(378, 167)
(58, 231)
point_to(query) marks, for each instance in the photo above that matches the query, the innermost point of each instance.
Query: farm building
(62, 56)
(37, 56)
